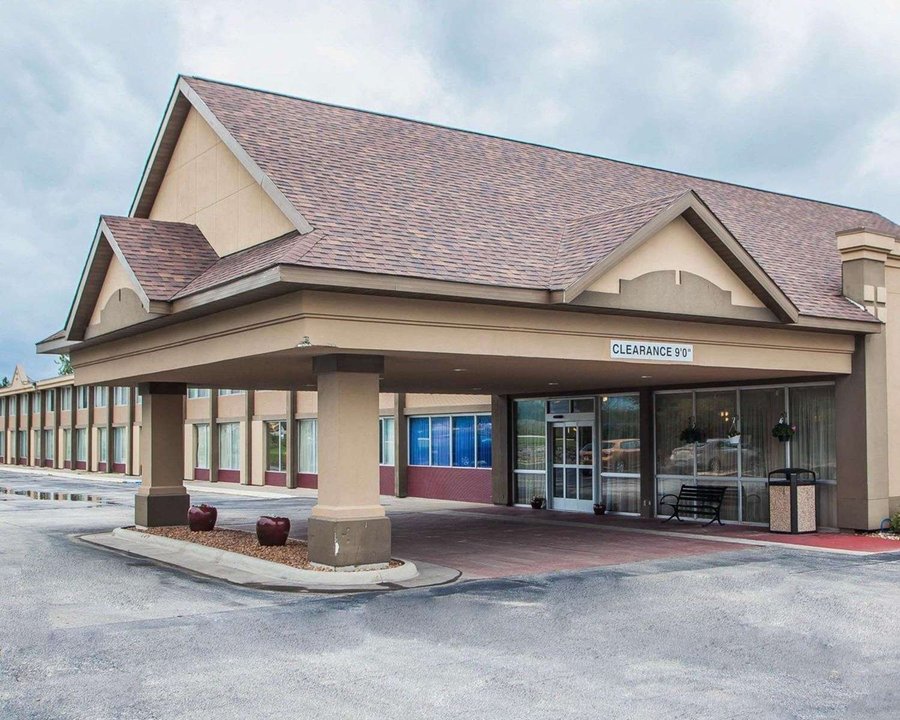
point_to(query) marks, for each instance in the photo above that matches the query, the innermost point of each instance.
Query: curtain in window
(440, 441)
(485, 442)
(81, 442)
(419, 442)
(201, 446)
(464, 441)
(387, 441)
(760, 452)
(230, 446)
(309, 459)
(673, 414)
(813, 446)
(119, 439)
(275, 456)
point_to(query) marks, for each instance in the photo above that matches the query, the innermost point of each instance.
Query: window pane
(308, 447)
(529, 485)
(716, 412)
(464, 441)
(531, 437)
(275, 459)
(201, 445)
(620, 423)
(229, 446)
(760, 452)
(813, 445)
(583, 405)
(440, 441)
(419, 442)
(673, 413)
(485, 442)
(387, 441)
(558, 407)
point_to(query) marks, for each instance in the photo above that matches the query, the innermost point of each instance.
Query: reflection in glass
(622, 494)
(571, 446)
(716, 412)
(571, 492)
(585, 484)
(529, 485)
(558, 474)
(813, 446)
(755, 497)
(673, 413)
(620, 448)
(531, 437)
(761, 453)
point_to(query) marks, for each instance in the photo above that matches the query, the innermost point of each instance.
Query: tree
(4, 382)
(64, 365)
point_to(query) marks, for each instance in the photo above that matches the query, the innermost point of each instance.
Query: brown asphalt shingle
(164, 256)
(399, 197)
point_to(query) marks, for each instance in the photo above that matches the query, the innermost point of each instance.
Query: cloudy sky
(799, 97)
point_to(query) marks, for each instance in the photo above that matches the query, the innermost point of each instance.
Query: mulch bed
(293, 553)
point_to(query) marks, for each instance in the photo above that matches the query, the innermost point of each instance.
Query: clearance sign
(646, 350)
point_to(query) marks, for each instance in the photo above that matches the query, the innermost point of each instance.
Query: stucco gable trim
(183, 98)
(103, 249)
(705, 223)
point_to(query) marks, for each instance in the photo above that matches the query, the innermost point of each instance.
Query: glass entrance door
(572, 473)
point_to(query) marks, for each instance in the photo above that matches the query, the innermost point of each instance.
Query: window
(23, 405)
(50, 400)
(120, 396)
(386, 444)
(101, 396)
(65, 400)
(83, 397)
(201, 446)
(229, 391)
(11, 407)
(620, 452)
(138, 397)
(36, 402)
(23, 444)
(81, 445)
(450, 441)
(3, 446)
(193, 393)
(120, 442)
(2, 406)
(230, 446)
(36, 445)
(67, 446)
(48, 445)
(276, 449)
(309, 452)
(102, 445)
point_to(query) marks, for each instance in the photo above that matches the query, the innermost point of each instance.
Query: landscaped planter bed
(293, 553)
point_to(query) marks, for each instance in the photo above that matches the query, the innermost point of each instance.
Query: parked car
(621, 456)
(716, 456)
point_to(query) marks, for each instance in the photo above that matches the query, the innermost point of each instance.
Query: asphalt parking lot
(762, 632)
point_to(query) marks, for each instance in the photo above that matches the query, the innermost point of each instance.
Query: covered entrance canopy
(280, 244)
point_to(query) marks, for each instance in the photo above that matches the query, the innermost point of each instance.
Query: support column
(213, 435)
(162, 498)
(501, 477)
(247, 438)
(348, 527)
(861, 398)
(290, 439)
(129, 435)
(647, 459)
(401, 446)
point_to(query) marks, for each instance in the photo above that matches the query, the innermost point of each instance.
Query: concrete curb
(268, 569)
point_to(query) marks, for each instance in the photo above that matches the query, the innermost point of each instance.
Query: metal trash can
(792, 501)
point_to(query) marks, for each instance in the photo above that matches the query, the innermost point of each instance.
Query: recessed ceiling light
(459, 369)
(476, 388)
(646, 377)
(553, 383)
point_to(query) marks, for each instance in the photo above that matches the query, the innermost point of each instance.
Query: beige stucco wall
(416, 402)
(117, 277)
(231, 406)
(258, 459)
(269, 403)
(892, 338)
(197, 408)
(206, 185)
(677, 247)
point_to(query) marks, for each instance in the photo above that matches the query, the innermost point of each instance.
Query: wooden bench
(703, 500)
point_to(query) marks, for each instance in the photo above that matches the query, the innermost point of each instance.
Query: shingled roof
(406, 198)
(164, 256)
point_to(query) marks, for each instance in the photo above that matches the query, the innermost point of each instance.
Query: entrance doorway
(572, 465)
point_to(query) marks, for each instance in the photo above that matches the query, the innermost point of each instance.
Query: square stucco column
(501, 445)
(348, 527)
(162, 498)
(861, 398)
